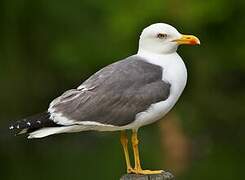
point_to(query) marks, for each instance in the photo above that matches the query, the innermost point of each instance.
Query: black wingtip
(14, 126)
(34, 121)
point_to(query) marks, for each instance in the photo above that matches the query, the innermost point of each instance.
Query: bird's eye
(162, 36)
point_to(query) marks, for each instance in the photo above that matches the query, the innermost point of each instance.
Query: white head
(162, 38)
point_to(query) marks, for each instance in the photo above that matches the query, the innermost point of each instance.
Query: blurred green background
(49, 46)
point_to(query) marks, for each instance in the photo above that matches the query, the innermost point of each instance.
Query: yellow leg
(124, 142)
(138, 169)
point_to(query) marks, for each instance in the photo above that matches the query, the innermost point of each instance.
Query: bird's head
(161, 38)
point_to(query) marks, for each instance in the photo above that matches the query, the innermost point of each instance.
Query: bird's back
(113, 95)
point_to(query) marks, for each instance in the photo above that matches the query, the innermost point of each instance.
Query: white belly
(174, 72)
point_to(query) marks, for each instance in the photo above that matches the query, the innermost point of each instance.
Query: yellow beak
(188, 39)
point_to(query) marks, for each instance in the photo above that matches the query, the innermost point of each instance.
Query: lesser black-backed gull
(125, 95)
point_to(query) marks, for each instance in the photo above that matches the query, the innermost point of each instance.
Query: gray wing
(115, 94)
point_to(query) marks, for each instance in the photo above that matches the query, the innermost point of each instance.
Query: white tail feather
(56, 130)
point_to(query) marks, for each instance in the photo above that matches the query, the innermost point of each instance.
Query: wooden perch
(162, 176)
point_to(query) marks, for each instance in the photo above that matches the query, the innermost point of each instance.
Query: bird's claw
(130, 170)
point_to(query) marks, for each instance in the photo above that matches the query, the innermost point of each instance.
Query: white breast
(174, 72)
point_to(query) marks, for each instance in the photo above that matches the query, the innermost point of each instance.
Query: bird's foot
(141, 171)
(130, 170)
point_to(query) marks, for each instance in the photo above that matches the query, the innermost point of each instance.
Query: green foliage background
(49, 46)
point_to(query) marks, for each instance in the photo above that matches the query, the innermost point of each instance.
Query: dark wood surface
(162, 176)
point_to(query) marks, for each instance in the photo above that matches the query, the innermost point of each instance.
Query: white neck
(145, 52)
(163, 60)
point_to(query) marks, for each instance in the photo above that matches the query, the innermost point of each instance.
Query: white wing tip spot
(11, 127)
